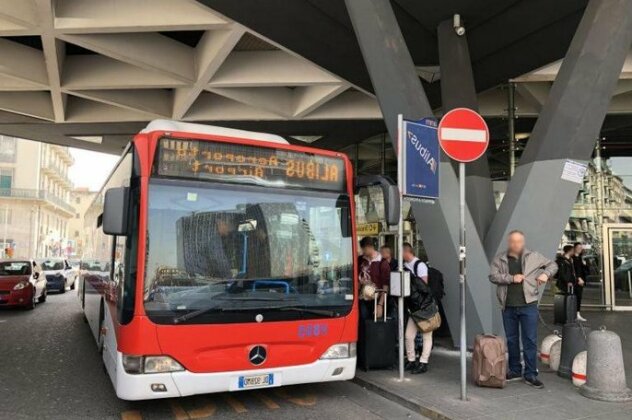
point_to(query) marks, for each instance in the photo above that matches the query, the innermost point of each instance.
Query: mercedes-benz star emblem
(257, 355)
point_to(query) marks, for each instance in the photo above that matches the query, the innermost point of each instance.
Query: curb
(429, 412)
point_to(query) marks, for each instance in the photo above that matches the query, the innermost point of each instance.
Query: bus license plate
(256, 381)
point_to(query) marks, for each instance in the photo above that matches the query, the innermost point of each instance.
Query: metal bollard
(604, 368)
(556, 352)
(574, 337)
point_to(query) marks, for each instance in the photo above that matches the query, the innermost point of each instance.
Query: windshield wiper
(303, 309)
(198, 312)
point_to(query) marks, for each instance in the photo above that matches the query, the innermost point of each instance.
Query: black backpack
(435, 281)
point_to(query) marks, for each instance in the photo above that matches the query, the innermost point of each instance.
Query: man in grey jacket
(518, 274)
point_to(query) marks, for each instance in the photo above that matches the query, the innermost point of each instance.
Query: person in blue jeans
(519, 274)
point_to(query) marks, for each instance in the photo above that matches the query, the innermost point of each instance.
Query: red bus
(221, 260)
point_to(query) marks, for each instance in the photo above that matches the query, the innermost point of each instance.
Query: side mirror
(36, 275)
(390, 191)
(115, 211)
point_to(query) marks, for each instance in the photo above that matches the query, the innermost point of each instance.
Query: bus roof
(183, 127)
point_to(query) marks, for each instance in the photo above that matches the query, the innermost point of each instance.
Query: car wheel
(72, 286)
(63, 287)
(42, 298)
(31, 305)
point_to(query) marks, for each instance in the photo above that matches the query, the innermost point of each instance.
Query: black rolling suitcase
(376, 341)
(565, 307)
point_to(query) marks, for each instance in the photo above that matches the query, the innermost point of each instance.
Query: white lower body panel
(180, 384)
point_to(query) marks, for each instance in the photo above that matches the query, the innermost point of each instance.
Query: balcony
(64, 153)
(40, 195)
(56, 172)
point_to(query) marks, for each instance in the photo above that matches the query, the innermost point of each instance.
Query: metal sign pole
(400, 242)
(463, 341)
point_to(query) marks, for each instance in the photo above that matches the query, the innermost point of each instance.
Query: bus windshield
(227, 253)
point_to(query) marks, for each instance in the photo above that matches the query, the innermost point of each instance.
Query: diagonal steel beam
(391, 68)
(538, 200)
(458, 90)
(399, 90)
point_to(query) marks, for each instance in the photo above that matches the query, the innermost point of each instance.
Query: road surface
(50, 369)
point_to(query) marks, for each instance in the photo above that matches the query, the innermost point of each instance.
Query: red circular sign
(463, 135)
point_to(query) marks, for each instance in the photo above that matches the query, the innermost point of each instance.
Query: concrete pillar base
(624, 395)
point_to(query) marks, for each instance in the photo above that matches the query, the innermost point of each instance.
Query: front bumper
(21, 297)
(180, 384)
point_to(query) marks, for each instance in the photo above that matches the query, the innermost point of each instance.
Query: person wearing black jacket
(566, 270)
(419, 305)
(581, 272)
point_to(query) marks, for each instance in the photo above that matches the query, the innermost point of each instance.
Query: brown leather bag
(489, 361)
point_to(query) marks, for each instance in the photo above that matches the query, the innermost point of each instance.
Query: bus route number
(312, 330)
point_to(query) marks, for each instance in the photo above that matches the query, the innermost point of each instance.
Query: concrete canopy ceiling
(89, 73)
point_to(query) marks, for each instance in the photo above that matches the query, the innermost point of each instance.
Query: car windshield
(52, 265)
(212, 248)
(15, 268)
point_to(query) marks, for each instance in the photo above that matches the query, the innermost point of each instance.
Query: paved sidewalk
(436, 394)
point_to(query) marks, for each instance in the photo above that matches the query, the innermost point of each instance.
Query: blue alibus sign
(421, 159)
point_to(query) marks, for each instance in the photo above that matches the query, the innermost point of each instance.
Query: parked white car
(59, 274)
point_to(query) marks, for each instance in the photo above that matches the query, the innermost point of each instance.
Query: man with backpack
(422, 309)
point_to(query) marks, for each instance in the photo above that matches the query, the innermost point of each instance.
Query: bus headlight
(161, 364)
(150, 364)
(340, 351)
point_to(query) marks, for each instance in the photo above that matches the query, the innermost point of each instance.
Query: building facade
(80, 198)
(35, 202)
(604, 197)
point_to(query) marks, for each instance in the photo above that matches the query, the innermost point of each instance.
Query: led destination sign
(248, 164)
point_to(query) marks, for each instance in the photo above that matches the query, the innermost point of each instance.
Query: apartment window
(8, 146)
(6, 178)
(5, 216)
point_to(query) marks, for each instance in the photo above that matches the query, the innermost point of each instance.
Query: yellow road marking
(307, 401)
(179, 412)
(206, 411)
(131, 415)
(267, 401)
(236, 404)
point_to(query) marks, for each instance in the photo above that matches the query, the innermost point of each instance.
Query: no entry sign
(463, 135)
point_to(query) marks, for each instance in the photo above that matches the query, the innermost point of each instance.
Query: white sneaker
(580, 317)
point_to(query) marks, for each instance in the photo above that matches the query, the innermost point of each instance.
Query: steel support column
(399, 90)
(458, 90)
(538, 200)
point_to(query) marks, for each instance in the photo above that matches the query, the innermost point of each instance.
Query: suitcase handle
(375, 298)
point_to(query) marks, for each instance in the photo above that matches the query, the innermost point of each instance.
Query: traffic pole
(462, 267)
(400, 242)
(464, 137)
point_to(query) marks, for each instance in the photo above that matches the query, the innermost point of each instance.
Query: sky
(622, 166)
(91, 169)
